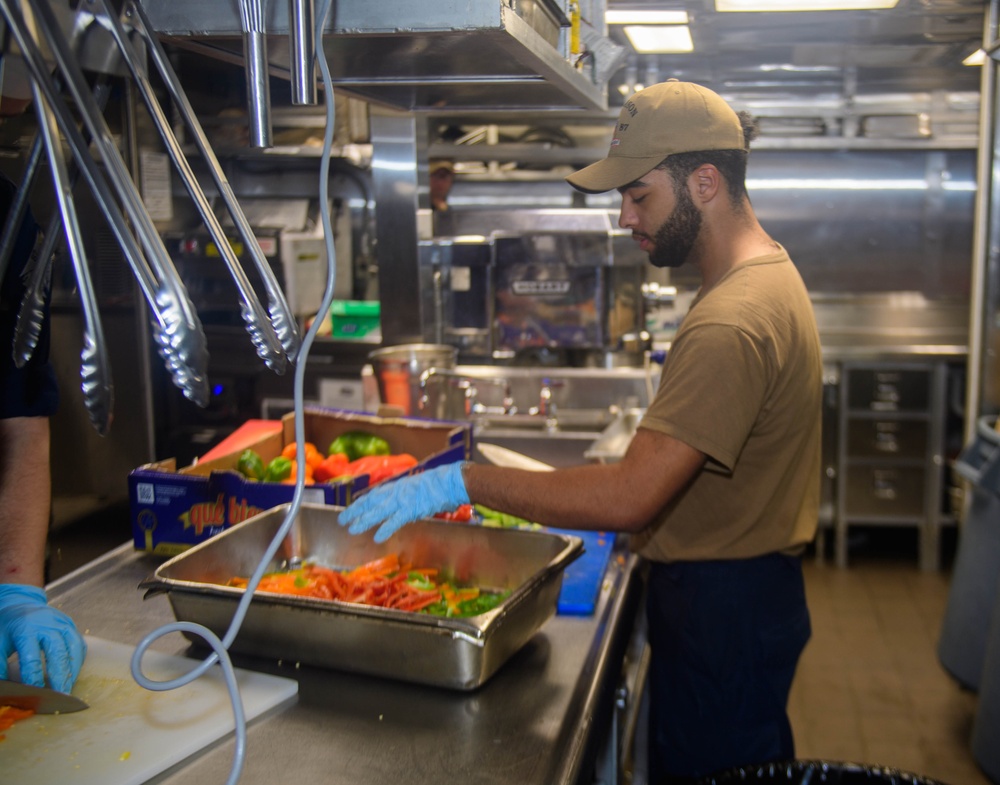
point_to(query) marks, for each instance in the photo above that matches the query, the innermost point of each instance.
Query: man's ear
(705, 183)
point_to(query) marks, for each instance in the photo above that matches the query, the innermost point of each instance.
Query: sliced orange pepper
(383, 582)
(11, 714)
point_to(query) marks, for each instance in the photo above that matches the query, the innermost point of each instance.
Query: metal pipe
(258, 86)
(144, 340)
(984, 228)
(301, 21)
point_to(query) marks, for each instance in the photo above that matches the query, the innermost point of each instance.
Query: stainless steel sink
(554, 415)
(599, 439)
(557, 448)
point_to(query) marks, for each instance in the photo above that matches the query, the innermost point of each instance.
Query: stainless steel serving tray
(456, 653)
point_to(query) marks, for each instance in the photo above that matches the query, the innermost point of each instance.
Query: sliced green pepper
(419, 581)
(504, 520)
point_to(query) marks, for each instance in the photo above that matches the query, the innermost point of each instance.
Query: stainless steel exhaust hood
(414, 55)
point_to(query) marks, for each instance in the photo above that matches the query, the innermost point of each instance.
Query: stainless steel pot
(398, 369)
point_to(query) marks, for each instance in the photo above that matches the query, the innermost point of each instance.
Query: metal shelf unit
(891, 438)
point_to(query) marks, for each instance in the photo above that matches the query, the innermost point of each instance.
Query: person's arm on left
(45, 640)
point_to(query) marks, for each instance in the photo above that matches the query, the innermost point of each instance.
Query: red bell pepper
(381, 467)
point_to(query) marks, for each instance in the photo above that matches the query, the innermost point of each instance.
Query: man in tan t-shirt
(720, 485)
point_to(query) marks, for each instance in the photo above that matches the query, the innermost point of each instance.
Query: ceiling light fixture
(650, 39)
(803, 5)
(976, 58)
(626, 17)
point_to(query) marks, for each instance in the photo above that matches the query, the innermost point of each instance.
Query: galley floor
(869, 688)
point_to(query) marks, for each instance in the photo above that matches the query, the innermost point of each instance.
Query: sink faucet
(546, 403)
(469, 385)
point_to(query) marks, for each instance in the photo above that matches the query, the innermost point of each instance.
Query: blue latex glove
(396, 503)
(30, 627)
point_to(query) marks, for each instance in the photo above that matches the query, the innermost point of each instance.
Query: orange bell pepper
(291, 478)
(313, 456)
(332, 466)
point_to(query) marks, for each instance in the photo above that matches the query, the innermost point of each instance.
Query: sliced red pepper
(463, 514)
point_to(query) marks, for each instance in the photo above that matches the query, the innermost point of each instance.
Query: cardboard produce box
(173, 509)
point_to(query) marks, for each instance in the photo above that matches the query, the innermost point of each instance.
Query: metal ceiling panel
(916, 47)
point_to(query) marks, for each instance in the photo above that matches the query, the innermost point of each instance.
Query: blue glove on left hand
(396, 503)
(30, 627)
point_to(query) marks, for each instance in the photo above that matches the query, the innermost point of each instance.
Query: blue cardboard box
(173, 509)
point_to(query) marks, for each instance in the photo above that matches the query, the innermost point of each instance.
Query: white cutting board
(130, 734)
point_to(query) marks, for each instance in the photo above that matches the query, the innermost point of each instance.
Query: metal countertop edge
(617, 612)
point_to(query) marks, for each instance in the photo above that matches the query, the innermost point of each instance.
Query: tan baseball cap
(664, 119)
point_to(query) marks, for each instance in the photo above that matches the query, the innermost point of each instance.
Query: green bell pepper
(250, 465)
(279, 469)
(359, 444)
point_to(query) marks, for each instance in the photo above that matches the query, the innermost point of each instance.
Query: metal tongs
(178, 332)
(38, 271)
(276, 339)
(97, 386)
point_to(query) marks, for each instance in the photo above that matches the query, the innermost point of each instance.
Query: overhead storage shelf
(442, 56)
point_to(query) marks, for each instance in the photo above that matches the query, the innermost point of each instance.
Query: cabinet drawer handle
(884, 486)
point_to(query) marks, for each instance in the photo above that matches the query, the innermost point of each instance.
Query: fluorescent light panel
(625, 17)
(803, 5)
(651, 39)
(976, 58)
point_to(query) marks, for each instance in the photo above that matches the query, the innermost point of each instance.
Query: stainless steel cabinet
(891, 438)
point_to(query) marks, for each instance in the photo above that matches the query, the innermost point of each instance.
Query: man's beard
(674, 240)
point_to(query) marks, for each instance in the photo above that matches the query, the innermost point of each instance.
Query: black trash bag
(810, 772)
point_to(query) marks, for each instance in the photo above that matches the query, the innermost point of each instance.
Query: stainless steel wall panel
(854, 221)
(863, 221)
(394, 181)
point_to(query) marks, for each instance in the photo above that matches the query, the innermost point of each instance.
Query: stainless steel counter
(541, 719)
(891, 326)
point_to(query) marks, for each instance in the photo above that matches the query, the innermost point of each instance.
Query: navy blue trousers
(725, 638)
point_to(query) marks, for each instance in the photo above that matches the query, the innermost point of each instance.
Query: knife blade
(502, 456)
(41, 700)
